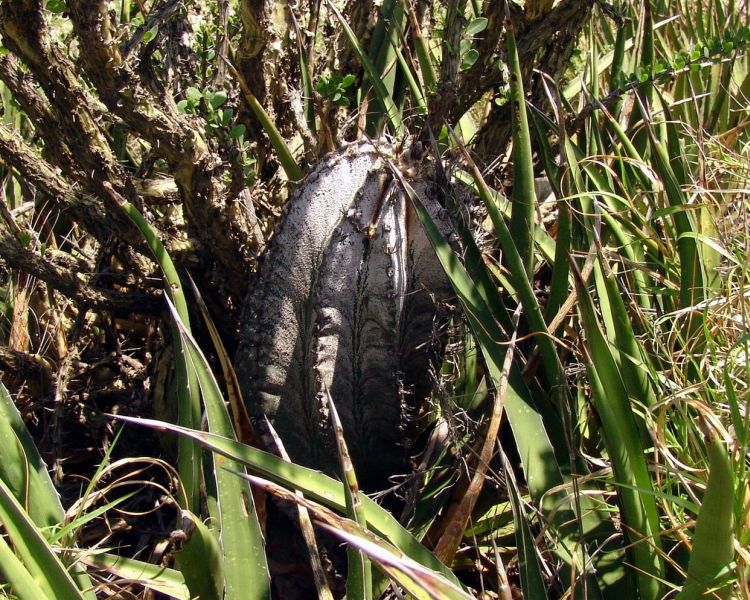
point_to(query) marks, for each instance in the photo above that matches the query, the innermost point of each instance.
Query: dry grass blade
(417, 579)
(305, 525)
(359, 577)
(242, 426)
(169, 582)
(459, 516)
(313, 484)
(34, 552)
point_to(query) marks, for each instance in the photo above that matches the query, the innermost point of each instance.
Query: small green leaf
(217, 99)
(150, 34)
(237, 131)
(193, 94)
(476, 26)
(470, 58)
(56, 6)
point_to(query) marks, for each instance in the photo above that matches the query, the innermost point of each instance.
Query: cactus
(349, 299)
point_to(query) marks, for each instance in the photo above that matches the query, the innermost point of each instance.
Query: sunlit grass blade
(625, 450)
(188, 395)
(545, 243)
(523, 207)
(713, 540)
(163, 580)
(312, 484)
(420, 582)
(359, 575)
(242, 544)
(23, 470)
(199, 559)
(391, 111)
(286, 159)
(33, 550)
(16, 575)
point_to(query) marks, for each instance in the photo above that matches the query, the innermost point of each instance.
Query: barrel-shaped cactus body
(349, 302)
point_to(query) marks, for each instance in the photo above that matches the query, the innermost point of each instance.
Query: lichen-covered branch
(85, 209)
(268, 61)
(222, 225)
(546, 43)
(59, 271)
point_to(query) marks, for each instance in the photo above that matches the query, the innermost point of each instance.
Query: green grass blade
(22, 584)
(391, 111)
(532, 580)
(475, 266)
(422, 47)
(416, 91)
(524, 195)
(241, 539)
(521, 282)
(288, 163)
(616, 75)
(625, 450)
(313, 484)
(559, 284)
(691, 278)
(384, 56)
(544, 242)
(286, 159)
(713, 540)
(23, 470)
(199, 560)
(164, 580)
(634, 362)
(647, 52)
(188, 407)
(34, 551)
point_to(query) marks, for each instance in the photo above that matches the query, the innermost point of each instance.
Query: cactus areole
(348, 303)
